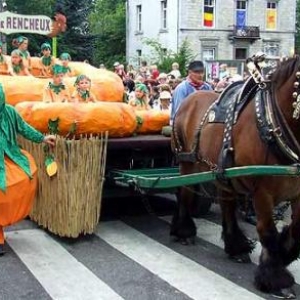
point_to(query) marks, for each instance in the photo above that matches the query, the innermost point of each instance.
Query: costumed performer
(140, 100)
(18, 172)
(21, 43)
(47, 61)
(17, 66)
(65, 59)
(3, 62)
(83, 90)
(57, 91)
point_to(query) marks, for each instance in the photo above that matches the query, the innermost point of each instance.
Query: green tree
(37, 7)
(108, 25)
(164, 58)
(77, 40)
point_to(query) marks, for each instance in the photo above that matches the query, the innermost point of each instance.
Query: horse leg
(289, 238)
(1, 240)
(183, 226)
(237, 245)
(271, 275)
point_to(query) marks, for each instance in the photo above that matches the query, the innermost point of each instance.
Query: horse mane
(285, 70)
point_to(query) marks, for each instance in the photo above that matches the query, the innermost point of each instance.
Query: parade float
(92, 138)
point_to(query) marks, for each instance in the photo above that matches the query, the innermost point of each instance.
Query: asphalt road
(130, 256)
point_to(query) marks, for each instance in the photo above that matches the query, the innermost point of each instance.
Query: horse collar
(273, 128)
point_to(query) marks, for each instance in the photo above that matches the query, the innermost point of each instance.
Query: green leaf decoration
(49, 160)
(53, 126)
(139, 120)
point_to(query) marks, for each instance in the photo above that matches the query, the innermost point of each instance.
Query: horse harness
(272, 126)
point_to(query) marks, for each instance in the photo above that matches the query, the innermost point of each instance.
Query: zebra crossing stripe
(211, 232)
(182, 273)
(60, 274)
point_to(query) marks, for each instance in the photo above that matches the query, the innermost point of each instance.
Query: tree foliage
(108, 25)
(38, 7)
(76, 40)
(164, 58)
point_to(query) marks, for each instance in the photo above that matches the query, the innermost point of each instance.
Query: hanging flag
(208, 16)
(240, 19)
(271, 18)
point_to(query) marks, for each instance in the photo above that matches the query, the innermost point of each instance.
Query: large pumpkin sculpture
(152, 121)
(106, 85)
(118, 119)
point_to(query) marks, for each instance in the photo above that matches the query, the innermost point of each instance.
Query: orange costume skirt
(16, 202)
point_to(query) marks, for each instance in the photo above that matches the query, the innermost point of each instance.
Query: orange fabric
(16, 203)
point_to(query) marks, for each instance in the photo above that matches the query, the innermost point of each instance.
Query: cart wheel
(202, 203)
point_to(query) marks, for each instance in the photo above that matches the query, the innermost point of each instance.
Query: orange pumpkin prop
(106, 85)
(16, 202)
(152, 121)
(118, 119)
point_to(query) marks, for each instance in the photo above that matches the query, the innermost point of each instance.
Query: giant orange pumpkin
(106, 85)
(152, 121)
(16, 202)
(118, 119)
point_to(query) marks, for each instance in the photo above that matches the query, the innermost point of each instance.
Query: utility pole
(3, 7)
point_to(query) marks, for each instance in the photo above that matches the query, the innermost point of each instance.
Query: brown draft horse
(195, 135)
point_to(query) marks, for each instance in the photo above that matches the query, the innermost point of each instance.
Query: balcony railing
(245, 32)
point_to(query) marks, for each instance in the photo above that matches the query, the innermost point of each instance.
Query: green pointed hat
(65, 56)
(45, 46)
(57, 69)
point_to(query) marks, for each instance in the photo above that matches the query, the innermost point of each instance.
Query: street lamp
(3, 7)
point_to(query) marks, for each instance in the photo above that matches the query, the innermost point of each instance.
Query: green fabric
(83, 94)
(57, 69)
(46, 61)
(56, 88)
(24, 53)
(65, 69)
(11, 124)
(65, 56)
(1, 58)
(45, 46)
(17, 68)
(142, 87)
(21, 39)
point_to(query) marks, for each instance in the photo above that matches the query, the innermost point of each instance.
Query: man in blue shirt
(194, 82)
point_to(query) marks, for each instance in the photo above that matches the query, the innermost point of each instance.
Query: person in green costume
(21, 43)
(3, 62)
(47, 60)
(12, 125)
(57, 91)
(65, 59)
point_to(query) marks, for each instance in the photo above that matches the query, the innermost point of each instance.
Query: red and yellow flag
(208, 16)
(271, 19)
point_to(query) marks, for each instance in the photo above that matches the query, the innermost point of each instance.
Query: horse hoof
(287, 293)
(241, 258)
(2, 252)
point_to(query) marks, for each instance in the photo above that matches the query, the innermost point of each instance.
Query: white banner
(15, 23)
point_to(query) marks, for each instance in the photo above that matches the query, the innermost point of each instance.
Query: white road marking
(182, 273)
(60, 274)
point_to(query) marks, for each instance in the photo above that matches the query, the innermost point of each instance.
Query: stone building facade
(215, 29)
